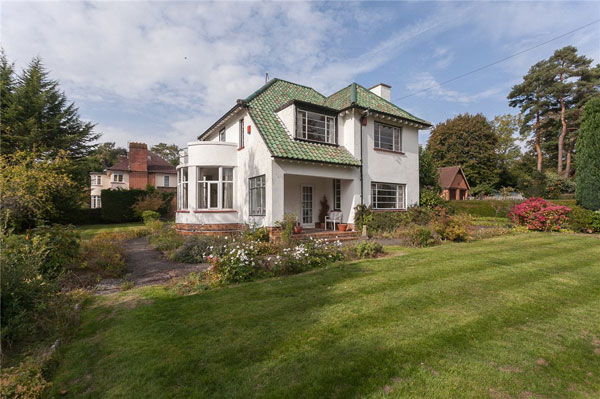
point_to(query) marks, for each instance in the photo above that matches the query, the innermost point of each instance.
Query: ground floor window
(182, 188)
(337, 195)
(96, 201)
(388, 196)
(257, 195)
(215, 188)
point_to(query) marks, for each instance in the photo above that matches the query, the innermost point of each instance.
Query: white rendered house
(286, 146)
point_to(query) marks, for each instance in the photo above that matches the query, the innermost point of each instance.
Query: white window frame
(220, 184)
(396, 137)
(166, 181)
(400, 197)
(222, 135)
(96, 201)
(182, 188)
(96, 180)
(257, 185)
(337, 195)
(118, 178)
(329, 134)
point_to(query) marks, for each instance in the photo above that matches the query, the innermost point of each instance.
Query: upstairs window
(388, 196)
(215, 188)
(222, 135)
(166, 181)
(118, 177)
(96, 180)
(388, 137)
(317, 127)
(182, 188)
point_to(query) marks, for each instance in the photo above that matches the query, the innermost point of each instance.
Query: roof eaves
(239, 104)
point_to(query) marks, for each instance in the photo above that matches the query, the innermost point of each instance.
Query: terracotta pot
(342, 227)
(297, 229)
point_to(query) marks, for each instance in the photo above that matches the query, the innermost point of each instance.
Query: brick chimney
(138, 165)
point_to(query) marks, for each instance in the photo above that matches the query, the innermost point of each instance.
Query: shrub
(23, 382)
(453, 227)
(588, 161)
(240, 263)
(307, 255)
(165, 238)
(431, 199)
(287, 226)
(150, 201)
(584, 220)
(368, 249)
(62, 245)
(26, 290)
(421, 236)
(557, 185)
(484, 208)
(257, 234)
(82, 216)
(150, 216)
(538, 214)
(104, 253)
(197, 249)
(117, 205)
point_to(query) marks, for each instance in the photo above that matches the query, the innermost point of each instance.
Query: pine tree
(468, 141)
(565, 71)
(39, 117)
(7, 88)
(588, 154)
(168, 152)
(530, 97)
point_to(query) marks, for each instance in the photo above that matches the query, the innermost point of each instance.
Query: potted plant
(342, 226)
(288, 226)
(323, 212)
(297, 228)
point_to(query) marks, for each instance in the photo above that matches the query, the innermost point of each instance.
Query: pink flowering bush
(538, 214)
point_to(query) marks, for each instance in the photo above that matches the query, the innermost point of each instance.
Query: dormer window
(313, 126)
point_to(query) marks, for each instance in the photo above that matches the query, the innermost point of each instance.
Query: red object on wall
(249, 129)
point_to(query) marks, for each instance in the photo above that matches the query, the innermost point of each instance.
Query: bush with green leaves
(62, 245)
(453, 227)
(583, 220)
(104, 254)
(166, 238)
(197, 249)
(368, 249)
(587, 149)
(431, 199)
(257, 234)
(150, 216)
(422, 236)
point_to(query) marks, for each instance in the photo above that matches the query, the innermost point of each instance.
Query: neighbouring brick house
(135, 171)
(453, 183)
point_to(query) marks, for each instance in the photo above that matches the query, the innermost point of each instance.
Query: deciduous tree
(169, 152)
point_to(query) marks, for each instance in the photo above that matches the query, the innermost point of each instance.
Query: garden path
(147, 266)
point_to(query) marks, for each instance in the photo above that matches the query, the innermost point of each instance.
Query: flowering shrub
(241, 262)
(307, 255)
(538, 214)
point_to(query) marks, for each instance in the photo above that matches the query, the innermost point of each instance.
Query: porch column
(275, 195)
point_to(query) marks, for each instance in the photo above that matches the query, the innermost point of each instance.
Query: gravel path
(147, 266)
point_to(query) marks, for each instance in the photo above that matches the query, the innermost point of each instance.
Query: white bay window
(215, 188)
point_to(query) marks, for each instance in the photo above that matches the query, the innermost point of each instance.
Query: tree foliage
(588, 153)
(427, 170)
(36, 114)
(105, 156)
(169, 152)
(468, 141)
(32, 187)
(506, 127)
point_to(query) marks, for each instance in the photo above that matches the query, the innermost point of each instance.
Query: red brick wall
(138, 165)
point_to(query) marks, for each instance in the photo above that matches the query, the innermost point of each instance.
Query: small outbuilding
(453, 183)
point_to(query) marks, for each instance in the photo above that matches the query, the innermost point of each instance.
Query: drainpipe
(363, 122)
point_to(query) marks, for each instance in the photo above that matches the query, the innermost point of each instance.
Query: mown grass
(509, 317)
(90, 230)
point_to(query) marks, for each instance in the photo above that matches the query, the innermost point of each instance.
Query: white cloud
(426, 81)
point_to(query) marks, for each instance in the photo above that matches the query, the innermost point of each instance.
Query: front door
(306, 217)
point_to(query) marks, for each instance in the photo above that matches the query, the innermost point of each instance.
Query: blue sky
(164, 71)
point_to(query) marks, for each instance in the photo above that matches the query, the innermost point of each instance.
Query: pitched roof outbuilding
(446, 176)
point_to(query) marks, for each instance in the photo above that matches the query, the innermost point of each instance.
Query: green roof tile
(265, 101)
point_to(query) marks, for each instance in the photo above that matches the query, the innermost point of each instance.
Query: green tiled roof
(263, 104)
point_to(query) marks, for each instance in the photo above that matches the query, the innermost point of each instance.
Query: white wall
(159, 179)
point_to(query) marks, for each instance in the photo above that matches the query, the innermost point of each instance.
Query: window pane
(227, 195)
(185, 196)
(213, 193)
(208, 174)
(227, 174)
(202, 196)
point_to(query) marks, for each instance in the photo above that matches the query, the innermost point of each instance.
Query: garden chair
(335, 217)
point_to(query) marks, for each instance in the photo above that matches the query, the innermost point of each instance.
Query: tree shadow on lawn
(299, 336)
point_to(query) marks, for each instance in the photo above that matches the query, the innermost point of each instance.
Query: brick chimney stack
(138, 165)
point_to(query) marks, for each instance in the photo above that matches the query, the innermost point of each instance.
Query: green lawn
(90, 230)
(510, 317)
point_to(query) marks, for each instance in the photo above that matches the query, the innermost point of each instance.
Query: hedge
(495, 208)
(117, 205)
(83, 216)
